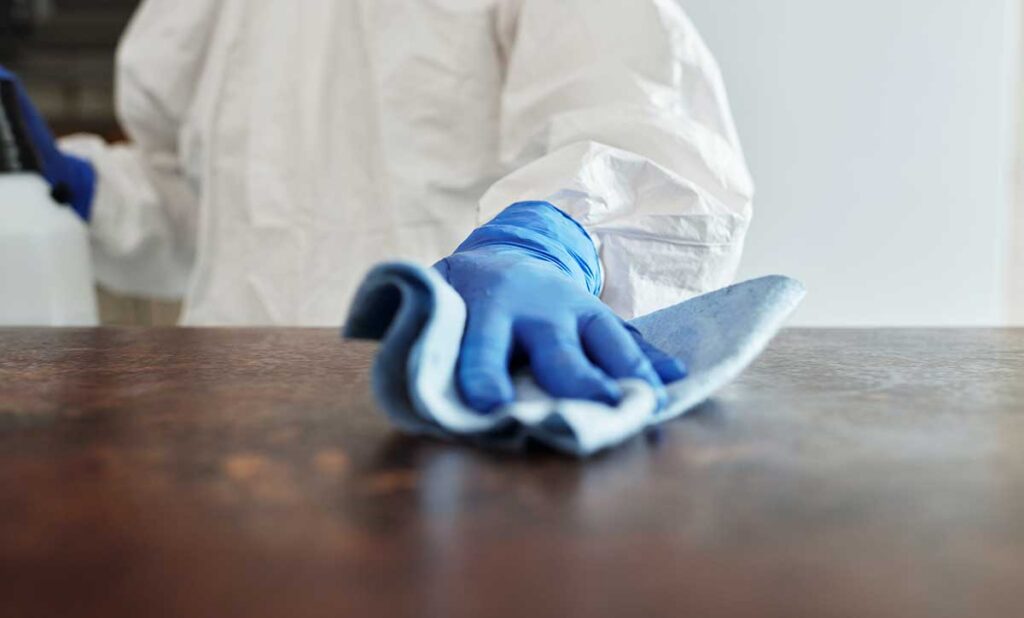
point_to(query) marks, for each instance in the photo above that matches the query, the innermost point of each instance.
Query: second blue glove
(73, 179)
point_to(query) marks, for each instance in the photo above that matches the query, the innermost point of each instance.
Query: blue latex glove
(531, 279)
(73, 179)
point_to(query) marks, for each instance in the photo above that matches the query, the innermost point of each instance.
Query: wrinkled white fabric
(279, 149)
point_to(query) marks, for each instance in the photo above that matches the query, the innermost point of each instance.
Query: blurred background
(64, 51)
(883, 138)
(883, 135)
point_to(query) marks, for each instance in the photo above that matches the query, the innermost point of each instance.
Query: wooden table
(248, 473)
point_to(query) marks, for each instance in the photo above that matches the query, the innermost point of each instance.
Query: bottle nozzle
(16, 151)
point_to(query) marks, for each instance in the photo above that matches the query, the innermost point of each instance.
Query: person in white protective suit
(278, 150)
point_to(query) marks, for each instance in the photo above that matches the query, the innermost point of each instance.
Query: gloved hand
(73, 179)
(531, 279)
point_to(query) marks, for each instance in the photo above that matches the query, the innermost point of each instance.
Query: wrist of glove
(72, 179)
(531, 279)
(540, 231)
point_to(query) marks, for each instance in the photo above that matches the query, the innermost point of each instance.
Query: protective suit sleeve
(145, 210)
(616, 113)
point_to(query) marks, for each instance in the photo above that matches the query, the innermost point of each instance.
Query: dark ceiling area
(63, 50)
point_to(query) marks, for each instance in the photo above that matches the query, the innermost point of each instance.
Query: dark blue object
(73, 179)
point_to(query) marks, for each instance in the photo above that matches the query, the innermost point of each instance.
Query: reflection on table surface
(212, 472)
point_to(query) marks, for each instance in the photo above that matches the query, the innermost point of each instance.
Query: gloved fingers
(561, 367)
(615, 350)
(670, 369)
(483, 374)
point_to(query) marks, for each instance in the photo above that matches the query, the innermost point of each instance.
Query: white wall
(1017, 261)
(881, 136)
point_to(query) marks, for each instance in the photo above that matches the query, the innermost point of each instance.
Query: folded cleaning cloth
(419, 319)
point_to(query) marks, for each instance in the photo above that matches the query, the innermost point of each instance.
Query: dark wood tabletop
(248, 473)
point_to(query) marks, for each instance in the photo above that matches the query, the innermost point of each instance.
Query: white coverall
(279, 149)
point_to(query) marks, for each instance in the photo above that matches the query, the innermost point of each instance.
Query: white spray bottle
(45, 262)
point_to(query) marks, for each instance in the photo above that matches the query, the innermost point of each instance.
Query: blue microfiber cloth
(419, 320)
